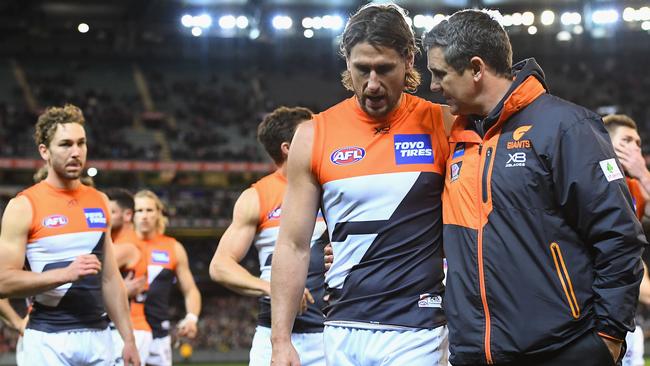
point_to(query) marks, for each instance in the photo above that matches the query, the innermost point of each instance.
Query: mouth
(375, 101)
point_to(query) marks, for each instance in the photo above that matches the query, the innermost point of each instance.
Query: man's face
(378, 77)
(457, 89)
(146, 215)
(624, 136)
(119, 216)
(67, 151)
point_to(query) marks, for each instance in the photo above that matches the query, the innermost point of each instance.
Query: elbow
(217, 273)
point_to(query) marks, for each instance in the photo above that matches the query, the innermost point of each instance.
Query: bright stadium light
(629, 14)
(203, 21)
(532, 30)
(337, 22)
(527, 18)
(645, 25)
(308, 33)
(578, 29)
(605, 16)
(517, 19)
(281, 22)
(547, 17)
(242, 22)
(92, 172)
(317, 22)
(570, 18)
(307, 22)
(438, 18)
(254, 34)
(187, 21)
(197, 31)
(643, 13)
(83, 28)
(563, 36)
(227, 22)
(429, 23)
(418, 21)
(506, 20)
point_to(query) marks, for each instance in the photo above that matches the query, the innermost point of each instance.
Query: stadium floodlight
(83, 28)
(643, 13)
(517, 19)
(227, 22)
(429, 23)
(563, 36)
(281, 22)
(317, 22)
(506, 20)
(418, 21)
(204, 21)
(438, 18)
(197, 31)
(578, 29)
(645, 25)
(605, 16)
(242, 22)
(254, 34)
(570, 18)
(337, 22)
(547, 17)
(91, 172)
(308, 33)
(629, 14)
(307, 22)
(187, 21)
(532, 30)
(527, 18)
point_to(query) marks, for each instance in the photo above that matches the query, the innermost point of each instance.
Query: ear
(410, 60)
(478, 68)
(45, 153)
(128, 215)
(284, 147)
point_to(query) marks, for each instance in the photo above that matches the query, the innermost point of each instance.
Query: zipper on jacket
(565, 280)
(481, 272)
(486, 168)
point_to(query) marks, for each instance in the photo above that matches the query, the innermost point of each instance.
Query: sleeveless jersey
(270, 191)
(381, 198)
(637, 197)
(161, 277)
(66, 224)
(139, 270)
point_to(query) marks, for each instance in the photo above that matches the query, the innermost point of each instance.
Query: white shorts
(308, 345)
(634, 354)
(143, 340)
(345, 346)
(20, 354)
(77, 347)
(160, 352)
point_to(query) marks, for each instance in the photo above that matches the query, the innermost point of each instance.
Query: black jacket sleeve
(595, 200)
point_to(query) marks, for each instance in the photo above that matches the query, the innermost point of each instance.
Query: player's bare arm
(14, 280)
(116, 301)
(291, 256)
(10, 317)
(188, 326)
(233, 246)
(127, 255)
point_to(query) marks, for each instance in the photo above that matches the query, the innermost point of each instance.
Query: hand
(20, 327)
(187, 328)
(130, 354)
(284, 354)
(134, 286)
(329, 256)
(632, 159)
(614, 347)
(82, 266)
(305, 301)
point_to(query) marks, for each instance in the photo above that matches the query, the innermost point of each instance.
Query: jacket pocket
(565, 279)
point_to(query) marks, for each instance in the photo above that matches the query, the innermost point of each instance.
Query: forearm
(289, 271)
(9, 315)
(193, 301)
(238, 279)
(117, 306)
(644, 179)
(21, 283)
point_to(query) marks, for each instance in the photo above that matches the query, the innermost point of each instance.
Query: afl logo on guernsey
(275, 214)
(54, 221)
(95, 218)
(347, 155)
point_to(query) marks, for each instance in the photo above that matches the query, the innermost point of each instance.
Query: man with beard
(62, 227)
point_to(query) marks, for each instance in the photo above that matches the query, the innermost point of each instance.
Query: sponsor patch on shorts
(160, 256)
(413, 149)
(95, 218)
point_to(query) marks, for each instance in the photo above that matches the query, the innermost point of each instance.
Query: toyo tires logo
(347, 155)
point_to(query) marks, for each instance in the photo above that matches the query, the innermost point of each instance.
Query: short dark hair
(51, 118)
(278, 127)
(614, 121)
(381, 25)
(468, 33)
(122, 197)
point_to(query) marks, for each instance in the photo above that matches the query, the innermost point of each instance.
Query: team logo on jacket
(275, 214)
(95, 218)
(454, 170)
(430, 301)
(54, 221)
(160, 256)
(347, 155)
(518, 143)
(413, 149)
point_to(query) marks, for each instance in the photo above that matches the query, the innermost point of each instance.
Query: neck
(498, 87)
(57, 182)
(282, 168)
(147, 236)
(125, 227)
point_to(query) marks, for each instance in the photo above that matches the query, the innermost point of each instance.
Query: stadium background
(173, 90)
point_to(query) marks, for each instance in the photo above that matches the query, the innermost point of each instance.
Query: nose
(373, 82)
(435, 86)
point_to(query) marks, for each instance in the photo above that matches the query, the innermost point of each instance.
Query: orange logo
(519, 132)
